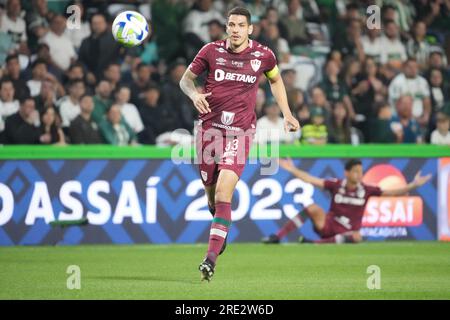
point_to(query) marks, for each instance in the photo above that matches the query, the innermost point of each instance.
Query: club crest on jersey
(255, 63)
(227, 118)
(204, 175)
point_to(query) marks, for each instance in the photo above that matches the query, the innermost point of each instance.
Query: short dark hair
(270, 8)
(419, 21)
(389, 21)
(115, 63)
(442, 116)
(123, 86)
(98, 14)
(25, 98)
(176, 63)
(142, 65)
(56, 16)
(387, 7)
(351, 6)
(86, 95)
(76, 64)
(13, 56)
(42, 45)
(216, 22)
(152, 86)
(102, 80)
(241, 11)
(435, 69)
(351, 163)
(38, 62)
(378, 106)
(73, 82)
(286, 71)
(5, 80)
(120, 87)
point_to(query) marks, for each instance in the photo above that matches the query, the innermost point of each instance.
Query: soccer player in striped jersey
(348, 200)
(227, 118)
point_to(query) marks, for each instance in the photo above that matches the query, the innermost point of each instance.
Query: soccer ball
(130, 28)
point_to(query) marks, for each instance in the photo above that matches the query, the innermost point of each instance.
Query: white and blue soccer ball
(130, 28)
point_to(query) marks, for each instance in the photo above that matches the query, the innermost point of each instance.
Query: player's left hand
(291, 124)
(421, 180)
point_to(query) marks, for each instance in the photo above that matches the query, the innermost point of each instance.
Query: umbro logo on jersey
(221, 50)
(221, 61)
(257, 54)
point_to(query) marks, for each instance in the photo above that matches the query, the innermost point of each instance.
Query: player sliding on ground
(227, 117)
(348, 199)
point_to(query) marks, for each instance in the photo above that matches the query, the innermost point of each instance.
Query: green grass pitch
(409, 270)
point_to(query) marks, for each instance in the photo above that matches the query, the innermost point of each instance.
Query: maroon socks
(219, 229)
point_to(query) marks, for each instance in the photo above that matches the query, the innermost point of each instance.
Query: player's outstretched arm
(416, 183)
(187, 85)
(279, 92)
(288, 165)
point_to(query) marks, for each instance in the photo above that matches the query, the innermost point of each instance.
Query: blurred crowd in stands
(351, 76)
